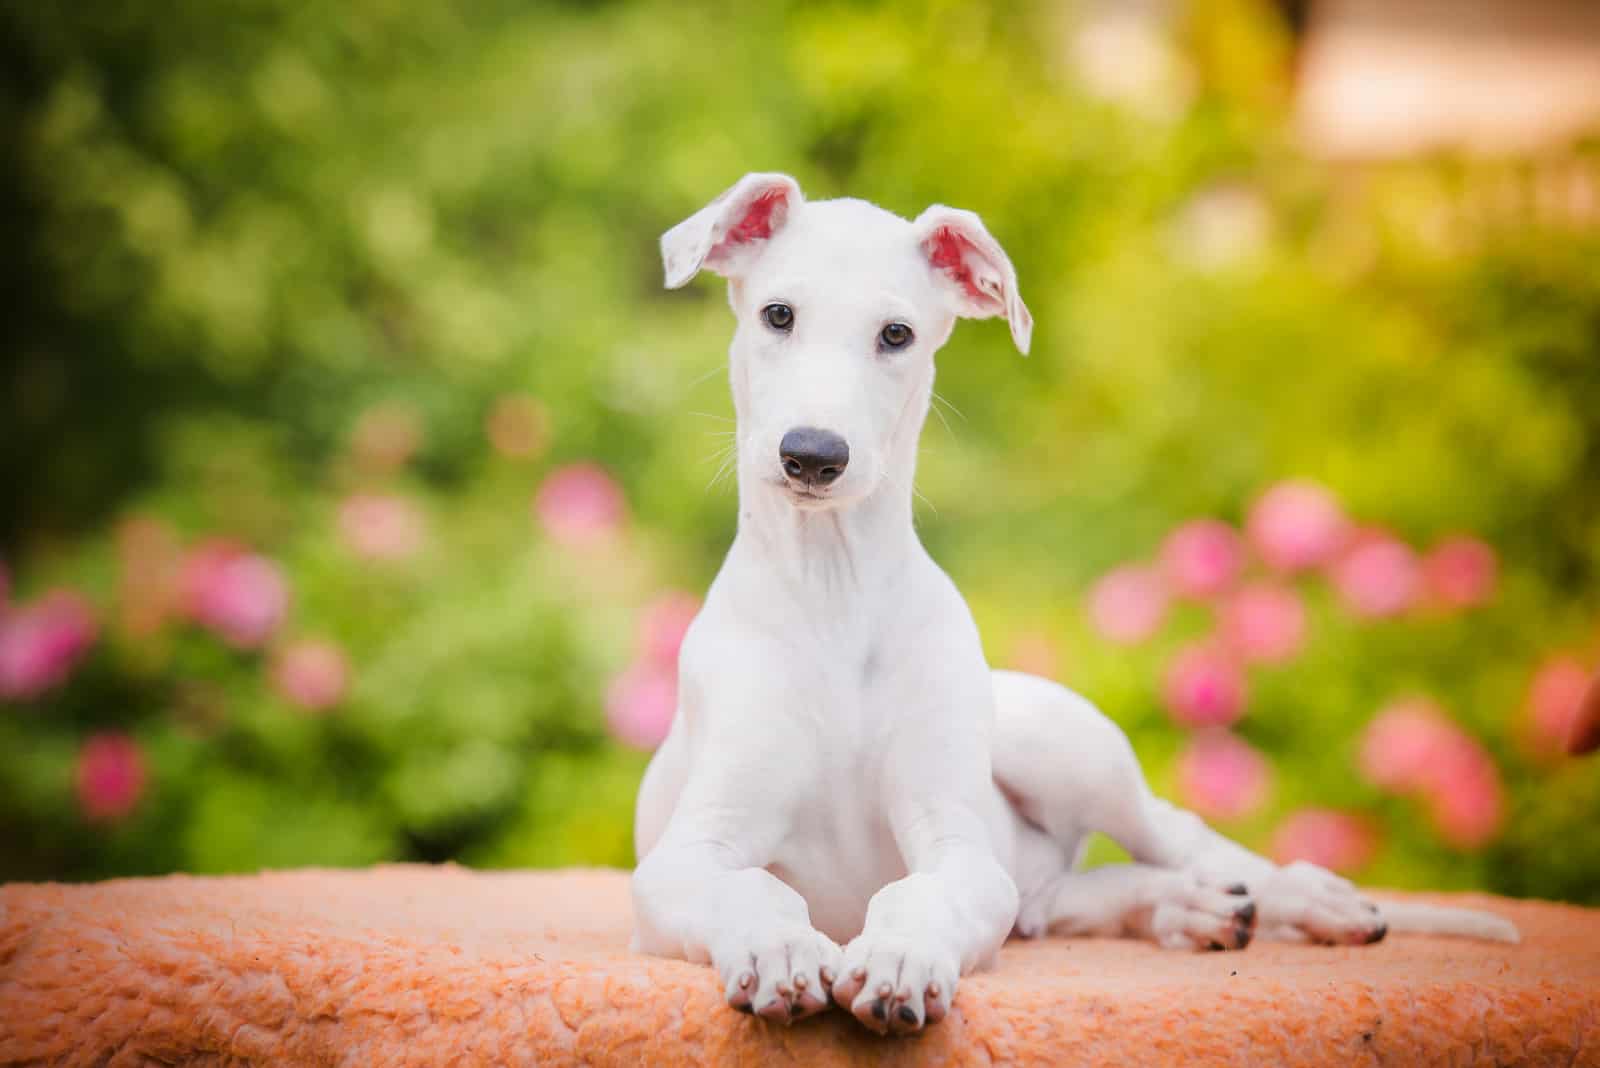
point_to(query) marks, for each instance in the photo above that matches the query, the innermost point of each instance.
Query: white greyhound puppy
(850, 802)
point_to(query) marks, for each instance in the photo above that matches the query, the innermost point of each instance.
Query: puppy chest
(839, 852)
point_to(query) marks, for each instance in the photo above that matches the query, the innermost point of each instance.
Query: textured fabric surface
(436, 966)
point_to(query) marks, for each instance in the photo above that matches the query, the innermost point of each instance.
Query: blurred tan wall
(1386, 78)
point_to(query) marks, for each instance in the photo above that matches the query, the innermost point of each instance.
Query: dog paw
(784, 976)
(1319, 906)
(1195, 913)
(893, 985)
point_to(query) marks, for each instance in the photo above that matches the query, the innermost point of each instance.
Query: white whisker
(721, 452)
(890, 477)
(947, 404)
(729, 455)
(723, 366)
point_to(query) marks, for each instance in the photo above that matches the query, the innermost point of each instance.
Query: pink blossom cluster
(240, 596)
(243, 598)
(381, 526)
(311, 673)
(1412, 747)
(1561, 715)
(42, 641)
(1247, 578)
(40, 644)
(1331, 838)
(642, 700)
(580, 505)
(1294, 529)
(1221, 776)
(110, 776)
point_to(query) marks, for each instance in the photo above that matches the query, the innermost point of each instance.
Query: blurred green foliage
(240, 226)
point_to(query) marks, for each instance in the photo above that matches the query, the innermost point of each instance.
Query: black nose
(815, 457)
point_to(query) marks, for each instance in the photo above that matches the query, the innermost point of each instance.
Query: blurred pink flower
(199, 570)
(1265, 623)
(110, 776)
(1297, 525)
(1202, 558)
(1464, 794)
(1204, 687)
(1461, 572)
(381, 526)
(641, 703)
(1221, 776)
(1378, 577)
(1555, 700)
(41, 642)
(642, 700)
(1338, 841)
(580, 504)
(386, 436)
(1403, 742)
(240, 596)
(664, 623)
(1034, 653)
(311, 673)
(1413, 747)
(1129, 604)
(518, 426)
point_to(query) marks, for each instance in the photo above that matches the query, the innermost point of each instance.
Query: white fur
(849, 800)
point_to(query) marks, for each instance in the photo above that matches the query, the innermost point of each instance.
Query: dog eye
(895, 336)
(778, 316)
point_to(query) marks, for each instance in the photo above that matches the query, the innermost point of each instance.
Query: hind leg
(1173, 908)
(1070, 771)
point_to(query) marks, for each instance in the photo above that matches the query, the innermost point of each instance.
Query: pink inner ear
(947, 254)
(757, 222)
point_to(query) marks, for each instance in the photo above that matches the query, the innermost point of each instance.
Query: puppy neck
(828, 554)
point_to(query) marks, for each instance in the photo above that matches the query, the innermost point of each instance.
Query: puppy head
(839, 307)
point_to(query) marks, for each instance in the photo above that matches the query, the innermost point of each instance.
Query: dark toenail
(1377, 934)
(880, 1010)
(1247, 913)
(1216, 946)
(1238, 889)
(746, 1007)
(795, 1009)
(1241, 935)
(908, 1014)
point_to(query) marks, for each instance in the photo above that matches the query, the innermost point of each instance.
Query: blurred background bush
(359, 475)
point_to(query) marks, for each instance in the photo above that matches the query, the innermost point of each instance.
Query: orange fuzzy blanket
(437, 966)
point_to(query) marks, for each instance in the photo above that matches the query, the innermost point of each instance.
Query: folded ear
(974, 269)
(728, 233)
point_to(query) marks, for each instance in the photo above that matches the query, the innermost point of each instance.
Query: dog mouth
(801, 495)
(806, 497)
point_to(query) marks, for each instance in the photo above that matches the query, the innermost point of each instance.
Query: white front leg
(701, 901)
(702, 893)
(950, 915)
